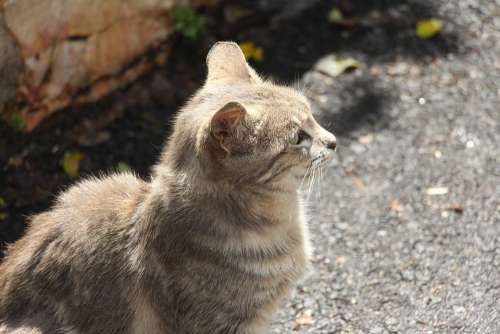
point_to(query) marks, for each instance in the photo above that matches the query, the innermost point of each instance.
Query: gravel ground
(390, 257)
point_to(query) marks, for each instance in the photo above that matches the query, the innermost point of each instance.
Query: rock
(78, 51)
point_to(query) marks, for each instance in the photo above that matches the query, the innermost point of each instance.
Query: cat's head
(245, 130)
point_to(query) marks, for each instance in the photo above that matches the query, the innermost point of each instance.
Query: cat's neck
(193, 187)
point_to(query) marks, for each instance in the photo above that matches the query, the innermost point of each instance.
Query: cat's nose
(332, 145)
(330, 142)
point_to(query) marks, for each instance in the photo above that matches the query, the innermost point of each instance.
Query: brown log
(57, 53)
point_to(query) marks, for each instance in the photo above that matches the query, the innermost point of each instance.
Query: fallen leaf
(123, 167)
(304, 319)
(457, 208)
(358, 182)
(333, 66)
(366, 139)
(252, 51)
(436, 289)
(429, 28)
(71, 162)
(335, 16)
(375, 70)
(435, 191)
(340, 260)
(396, 205)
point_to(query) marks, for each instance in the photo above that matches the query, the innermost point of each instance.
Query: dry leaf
(457, 208)
(335, 16)
(304, 319)
(358, 182)
(71, 162)
(436, 289)
(396, 205)
(333, 66)
(429, 28)
(436, 191)
(366, 139)
(252, 51)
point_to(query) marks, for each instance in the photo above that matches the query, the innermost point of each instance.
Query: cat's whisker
(305, 176)
(311, 183)
(320, 180)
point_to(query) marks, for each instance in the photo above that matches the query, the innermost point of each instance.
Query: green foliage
(189, 23)
(123, 167)
(15, 120)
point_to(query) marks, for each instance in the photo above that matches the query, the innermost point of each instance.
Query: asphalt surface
(393, 254)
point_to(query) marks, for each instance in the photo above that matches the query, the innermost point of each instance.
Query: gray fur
(210, 244)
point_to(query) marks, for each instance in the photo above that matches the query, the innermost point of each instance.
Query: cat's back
(98, 199)
(75, 249)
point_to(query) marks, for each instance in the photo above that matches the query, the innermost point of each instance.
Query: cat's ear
(225, 123)
(226, 61)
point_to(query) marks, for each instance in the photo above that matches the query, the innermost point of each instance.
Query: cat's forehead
(266, 100)
(283, 101)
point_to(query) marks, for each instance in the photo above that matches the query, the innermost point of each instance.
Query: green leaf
(335, 16)
(189, 23)
(429, 28)
(333, 66)
(71, 163)
(3, 216)
(15, 120)
(2, 203)
(123, 167)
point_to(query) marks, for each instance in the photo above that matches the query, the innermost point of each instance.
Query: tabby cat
(210, 244)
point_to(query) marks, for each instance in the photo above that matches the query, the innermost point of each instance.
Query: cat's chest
(265, 261)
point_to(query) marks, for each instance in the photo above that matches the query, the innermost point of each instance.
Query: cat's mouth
(319, 161)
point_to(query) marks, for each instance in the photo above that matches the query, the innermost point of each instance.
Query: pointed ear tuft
(225, 121)
(226, 61)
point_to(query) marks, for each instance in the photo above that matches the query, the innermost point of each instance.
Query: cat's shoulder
(102, 188)
(97, 197)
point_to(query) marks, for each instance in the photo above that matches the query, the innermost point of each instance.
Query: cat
(210, 244)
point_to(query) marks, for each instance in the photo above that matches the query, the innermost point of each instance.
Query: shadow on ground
(362, 105)
(134, 123)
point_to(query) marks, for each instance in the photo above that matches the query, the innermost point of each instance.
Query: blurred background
(405, 221)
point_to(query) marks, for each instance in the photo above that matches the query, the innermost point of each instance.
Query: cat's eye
(297, 137)
(293, 138)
